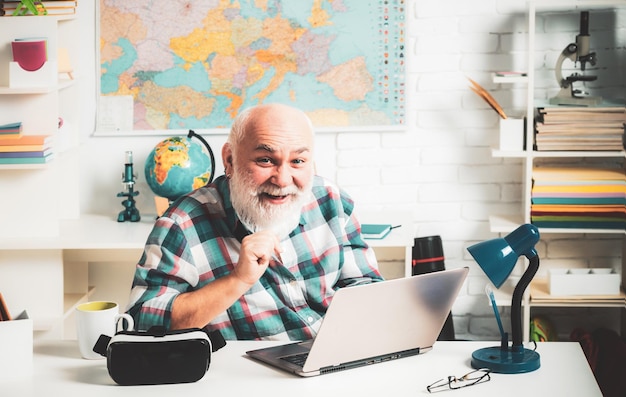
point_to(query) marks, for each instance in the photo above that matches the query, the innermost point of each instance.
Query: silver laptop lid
(385, 317)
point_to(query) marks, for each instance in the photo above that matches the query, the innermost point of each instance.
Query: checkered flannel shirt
(198, 239)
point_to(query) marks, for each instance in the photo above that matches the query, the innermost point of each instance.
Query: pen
(492, 298)
(395, 227)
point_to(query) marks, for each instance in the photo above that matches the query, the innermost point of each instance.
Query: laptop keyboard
(297, 359)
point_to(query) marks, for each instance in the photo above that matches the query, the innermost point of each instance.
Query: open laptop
(373, 323)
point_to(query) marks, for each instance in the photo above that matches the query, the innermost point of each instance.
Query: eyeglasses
(469, 379)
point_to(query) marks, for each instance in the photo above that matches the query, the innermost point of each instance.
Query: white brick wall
(441, 168)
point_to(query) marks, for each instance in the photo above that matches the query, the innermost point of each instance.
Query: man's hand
(256, 252)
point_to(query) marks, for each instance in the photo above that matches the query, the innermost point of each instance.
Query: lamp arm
(516, 301)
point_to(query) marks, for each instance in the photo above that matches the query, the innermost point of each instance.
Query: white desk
(59, 371)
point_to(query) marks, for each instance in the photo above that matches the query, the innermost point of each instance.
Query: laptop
(372, 323)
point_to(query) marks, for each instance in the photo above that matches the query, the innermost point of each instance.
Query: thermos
(428, 257)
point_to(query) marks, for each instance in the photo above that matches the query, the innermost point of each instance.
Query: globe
(179, 165)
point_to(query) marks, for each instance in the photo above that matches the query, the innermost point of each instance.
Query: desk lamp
(497, 258)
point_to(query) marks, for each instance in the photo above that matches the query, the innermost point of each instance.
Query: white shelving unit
(530, 157)
(41, 194)
(37, 198)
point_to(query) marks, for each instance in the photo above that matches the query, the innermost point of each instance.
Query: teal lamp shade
(498, 257)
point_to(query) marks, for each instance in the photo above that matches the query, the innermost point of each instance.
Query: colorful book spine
(37, 153)
(28, 140)
(11, 130)
(26, 160)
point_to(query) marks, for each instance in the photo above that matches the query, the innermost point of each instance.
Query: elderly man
(259, 253)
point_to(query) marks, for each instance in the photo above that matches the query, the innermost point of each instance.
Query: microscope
(576, 52)
(130, 212)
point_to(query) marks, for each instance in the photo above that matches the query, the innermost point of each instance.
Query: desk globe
(179, 165)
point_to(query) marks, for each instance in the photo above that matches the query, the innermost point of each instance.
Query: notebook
(373, 323)
(375, 230)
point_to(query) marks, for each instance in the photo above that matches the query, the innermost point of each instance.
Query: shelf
(508, 223)
(540, 297)
(508, 153)
(61, 17)
(599, 154)
(560, 154)
(70, 301)
(62, 84)
(505, 223)
(509, 79)
(24, 166)
(574, 5)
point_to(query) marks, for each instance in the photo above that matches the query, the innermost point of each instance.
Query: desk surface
(59, 371)
(104, 232)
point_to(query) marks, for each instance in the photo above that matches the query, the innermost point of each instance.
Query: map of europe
(182, 64)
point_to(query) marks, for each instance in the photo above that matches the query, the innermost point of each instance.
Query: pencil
(4, 311)
(478, 89)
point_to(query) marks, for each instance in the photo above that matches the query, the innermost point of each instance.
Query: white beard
(257, 215)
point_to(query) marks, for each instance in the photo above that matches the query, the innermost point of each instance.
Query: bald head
(271, 114)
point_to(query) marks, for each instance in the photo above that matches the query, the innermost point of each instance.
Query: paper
(115, 113)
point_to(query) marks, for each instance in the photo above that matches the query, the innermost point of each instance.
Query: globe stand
(130, 212)
(161, 204)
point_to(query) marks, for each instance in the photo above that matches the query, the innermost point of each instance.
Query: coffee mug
(94, 319)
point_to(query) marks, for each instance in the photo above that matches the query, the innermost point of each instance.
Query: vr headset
(158, 356)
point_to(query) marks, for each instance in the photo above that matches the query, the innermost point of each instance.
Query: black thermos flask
(428, 257)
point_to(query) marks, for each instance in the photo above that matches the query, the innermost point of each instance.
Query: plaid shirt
(198, 240)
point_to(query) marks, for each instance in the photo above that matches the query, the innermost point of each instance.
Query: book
(27, 140)
(375, 230)
(27, 160)
(616, 188)
(45, 3)
(580, 148)
(580, 128)
(36, 153)
(578, 197)
(57, 11)
(11, 128)
(49, 11)
(23, 148)
(577, 173)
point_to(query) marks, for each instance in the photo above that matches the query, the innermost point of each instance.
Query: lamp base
(506, 361)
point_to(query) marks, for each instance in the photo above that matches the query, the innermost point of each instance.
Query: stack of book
(11, 130)
(26, 149)
(580, 128)
(586, 198)
(47, 7)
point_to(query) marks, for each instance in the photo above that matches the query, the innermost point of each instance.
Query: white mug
(94, 319)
